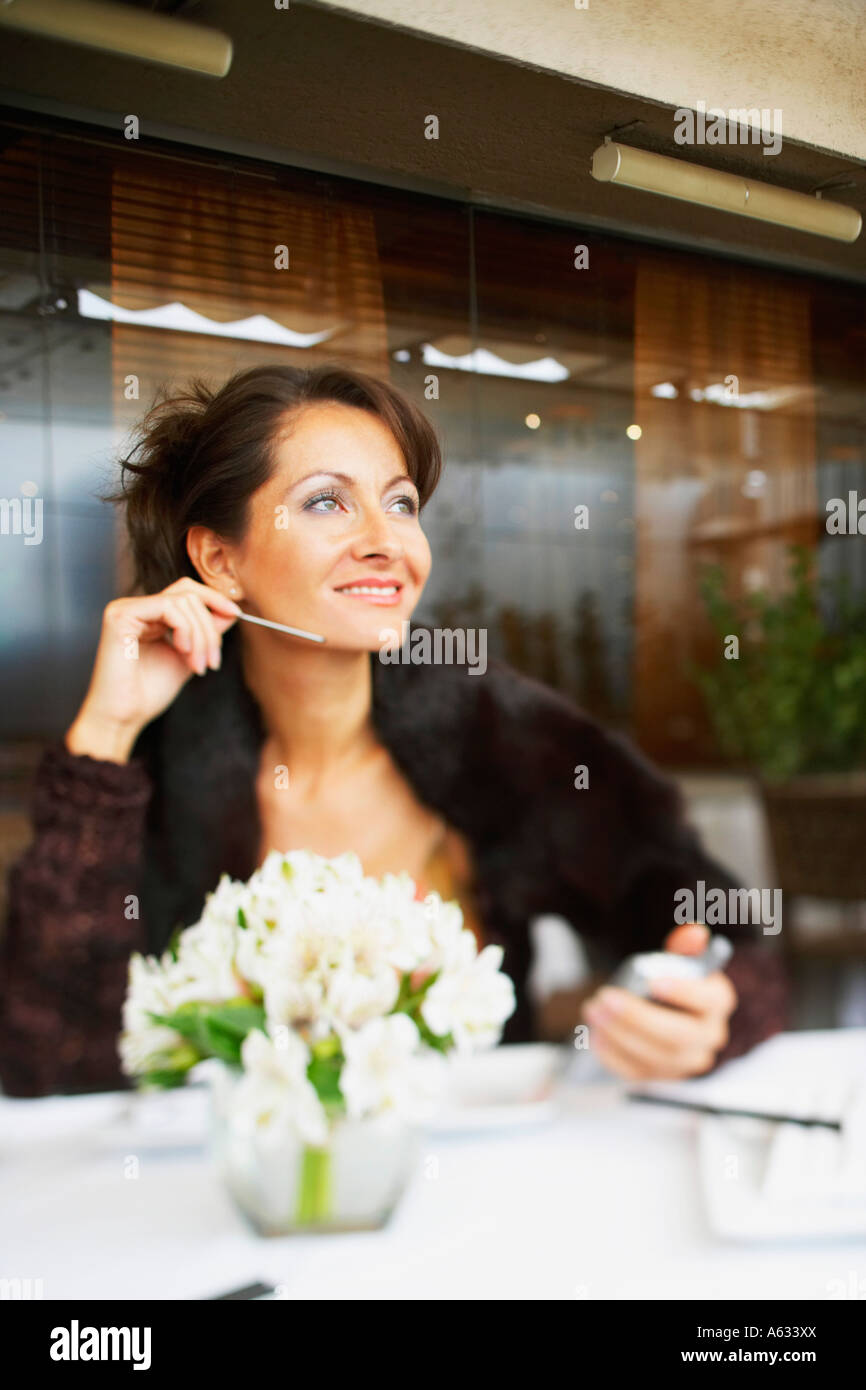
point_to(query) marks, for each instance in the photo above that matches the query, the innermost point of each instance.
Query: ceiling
(322, 89)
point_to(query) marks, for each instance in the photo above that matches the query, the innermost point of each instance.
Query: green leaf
(171, 948)
(242, 921)
(162, 1080)
(216, 1030)
(440, 1042)
(793, 702)
(324, 1074)
(407, 1002)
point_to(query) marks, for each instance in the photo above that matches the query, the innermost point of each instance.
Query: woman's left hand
(642, 1040)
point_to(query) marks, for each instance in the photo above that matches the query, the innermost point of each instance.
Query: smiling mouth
(372, 592)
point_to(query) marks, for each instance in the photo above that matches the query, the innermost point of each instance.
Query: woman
(203, 743)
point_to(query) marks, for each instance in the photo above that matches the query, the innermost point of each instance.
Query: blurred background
(694, 380)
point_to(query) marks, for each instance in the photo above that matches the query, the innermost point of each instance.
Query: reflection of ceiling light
(756, 480)
(754, 578)
(402, 355)
(719, 394)
(665, 390)
(488, 364)
(179, 319)
(634, 431)
(532, 422)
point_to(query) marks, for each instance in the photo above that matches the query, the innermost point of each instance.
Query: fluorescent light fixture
(487, 363)
(709, 188)
(177, 318)
(121, 29)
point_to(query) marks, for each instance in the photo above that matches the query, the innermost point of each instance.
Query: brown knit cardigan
(494, 754)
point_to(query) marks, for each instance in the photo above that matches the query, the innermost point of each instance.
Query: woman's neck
(316, 705)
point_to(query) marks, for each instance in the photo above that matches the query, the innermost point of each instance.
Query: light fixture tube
(710, 188)
(120, 29)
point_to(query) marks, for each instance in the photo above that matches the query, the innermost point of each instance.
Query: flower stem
(314, 1186)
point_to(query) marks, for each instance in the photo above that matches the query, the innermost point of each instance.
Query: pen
(731, 1110)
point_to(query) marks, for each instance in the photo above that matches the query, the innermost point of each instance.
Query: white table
(601, 1202)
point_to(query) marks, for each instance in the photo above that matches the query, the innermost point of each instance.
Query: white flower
(471, 1002)
(325, 947)
(274, 1097)
(144, 1043)
(401, 921)
(451, 944)
(204, 970)
(384, 1071)
(355, 996)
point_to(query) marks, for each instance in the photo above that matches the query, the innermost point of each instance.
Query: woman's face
(334, 542)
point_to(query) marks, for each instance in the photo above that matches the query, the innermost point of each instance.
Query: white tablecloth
(601, 1202)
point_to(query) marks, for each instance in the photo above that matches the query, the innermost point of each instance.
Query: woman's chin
(374, 631)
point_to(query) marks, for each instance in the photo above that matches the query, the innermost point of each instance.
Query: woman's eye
(318, 504)
(407, 504)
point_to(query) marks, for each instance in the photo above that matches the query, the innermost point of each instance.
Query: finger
(661, 1054)
(665, 1029)
(649, 1066)
(209, 596)
(690, 939)
(177, 622)
(697, 1044)
(150, 618)
(714, 993)
(212, 636)
(693, 1054)
(199, 635)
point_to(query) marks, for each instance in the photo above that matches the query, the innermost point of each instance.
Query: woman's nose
(376, 534)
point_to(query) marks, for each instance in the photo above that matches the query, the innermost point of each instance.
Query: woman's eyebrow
(344, 478)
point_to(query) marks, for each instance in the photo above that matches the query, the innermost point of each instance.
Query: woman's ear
(210, 557)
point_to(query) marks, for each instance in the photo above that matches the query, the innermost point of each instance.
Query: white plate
(470, 1119)
(509, 1086)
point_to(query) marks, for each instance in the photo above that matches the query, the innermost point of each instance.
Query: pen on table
(248, 1291)
(281, 627)
(732, 1110)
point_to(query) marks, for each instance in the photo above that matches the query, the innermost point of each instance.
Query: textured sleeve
(73, 920)
(763, 999)
(625, 854)
(645, 915)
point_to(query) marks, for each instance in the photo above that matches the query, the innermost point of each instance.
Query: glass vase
(351, 1183)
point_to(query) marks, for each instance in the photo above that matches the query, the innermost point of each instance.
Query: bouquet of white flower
(329, 994)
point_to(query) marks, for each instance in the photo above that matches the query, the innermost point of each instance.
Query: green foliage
(214, 1030)
(795, 699)
(324, 1070)
(409, 1002)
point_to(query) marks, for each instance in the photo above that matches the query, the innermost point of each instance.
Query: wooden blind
(141, 231)
(211, 241)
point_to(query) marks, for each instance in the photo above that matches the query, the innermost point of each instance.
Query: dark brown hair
(201, 454)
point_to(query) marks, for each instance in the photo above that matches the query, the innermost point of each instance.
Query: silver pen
(281, 627)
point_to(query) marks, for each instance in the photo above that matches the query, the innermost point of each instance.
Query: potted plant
(321, 1003)
(792, 707)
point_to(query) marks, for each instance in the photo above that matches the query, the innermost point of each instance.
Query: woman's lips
(382, 595)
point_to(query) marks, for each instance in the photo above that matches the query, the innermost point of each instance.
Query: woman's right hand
(137, 672)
